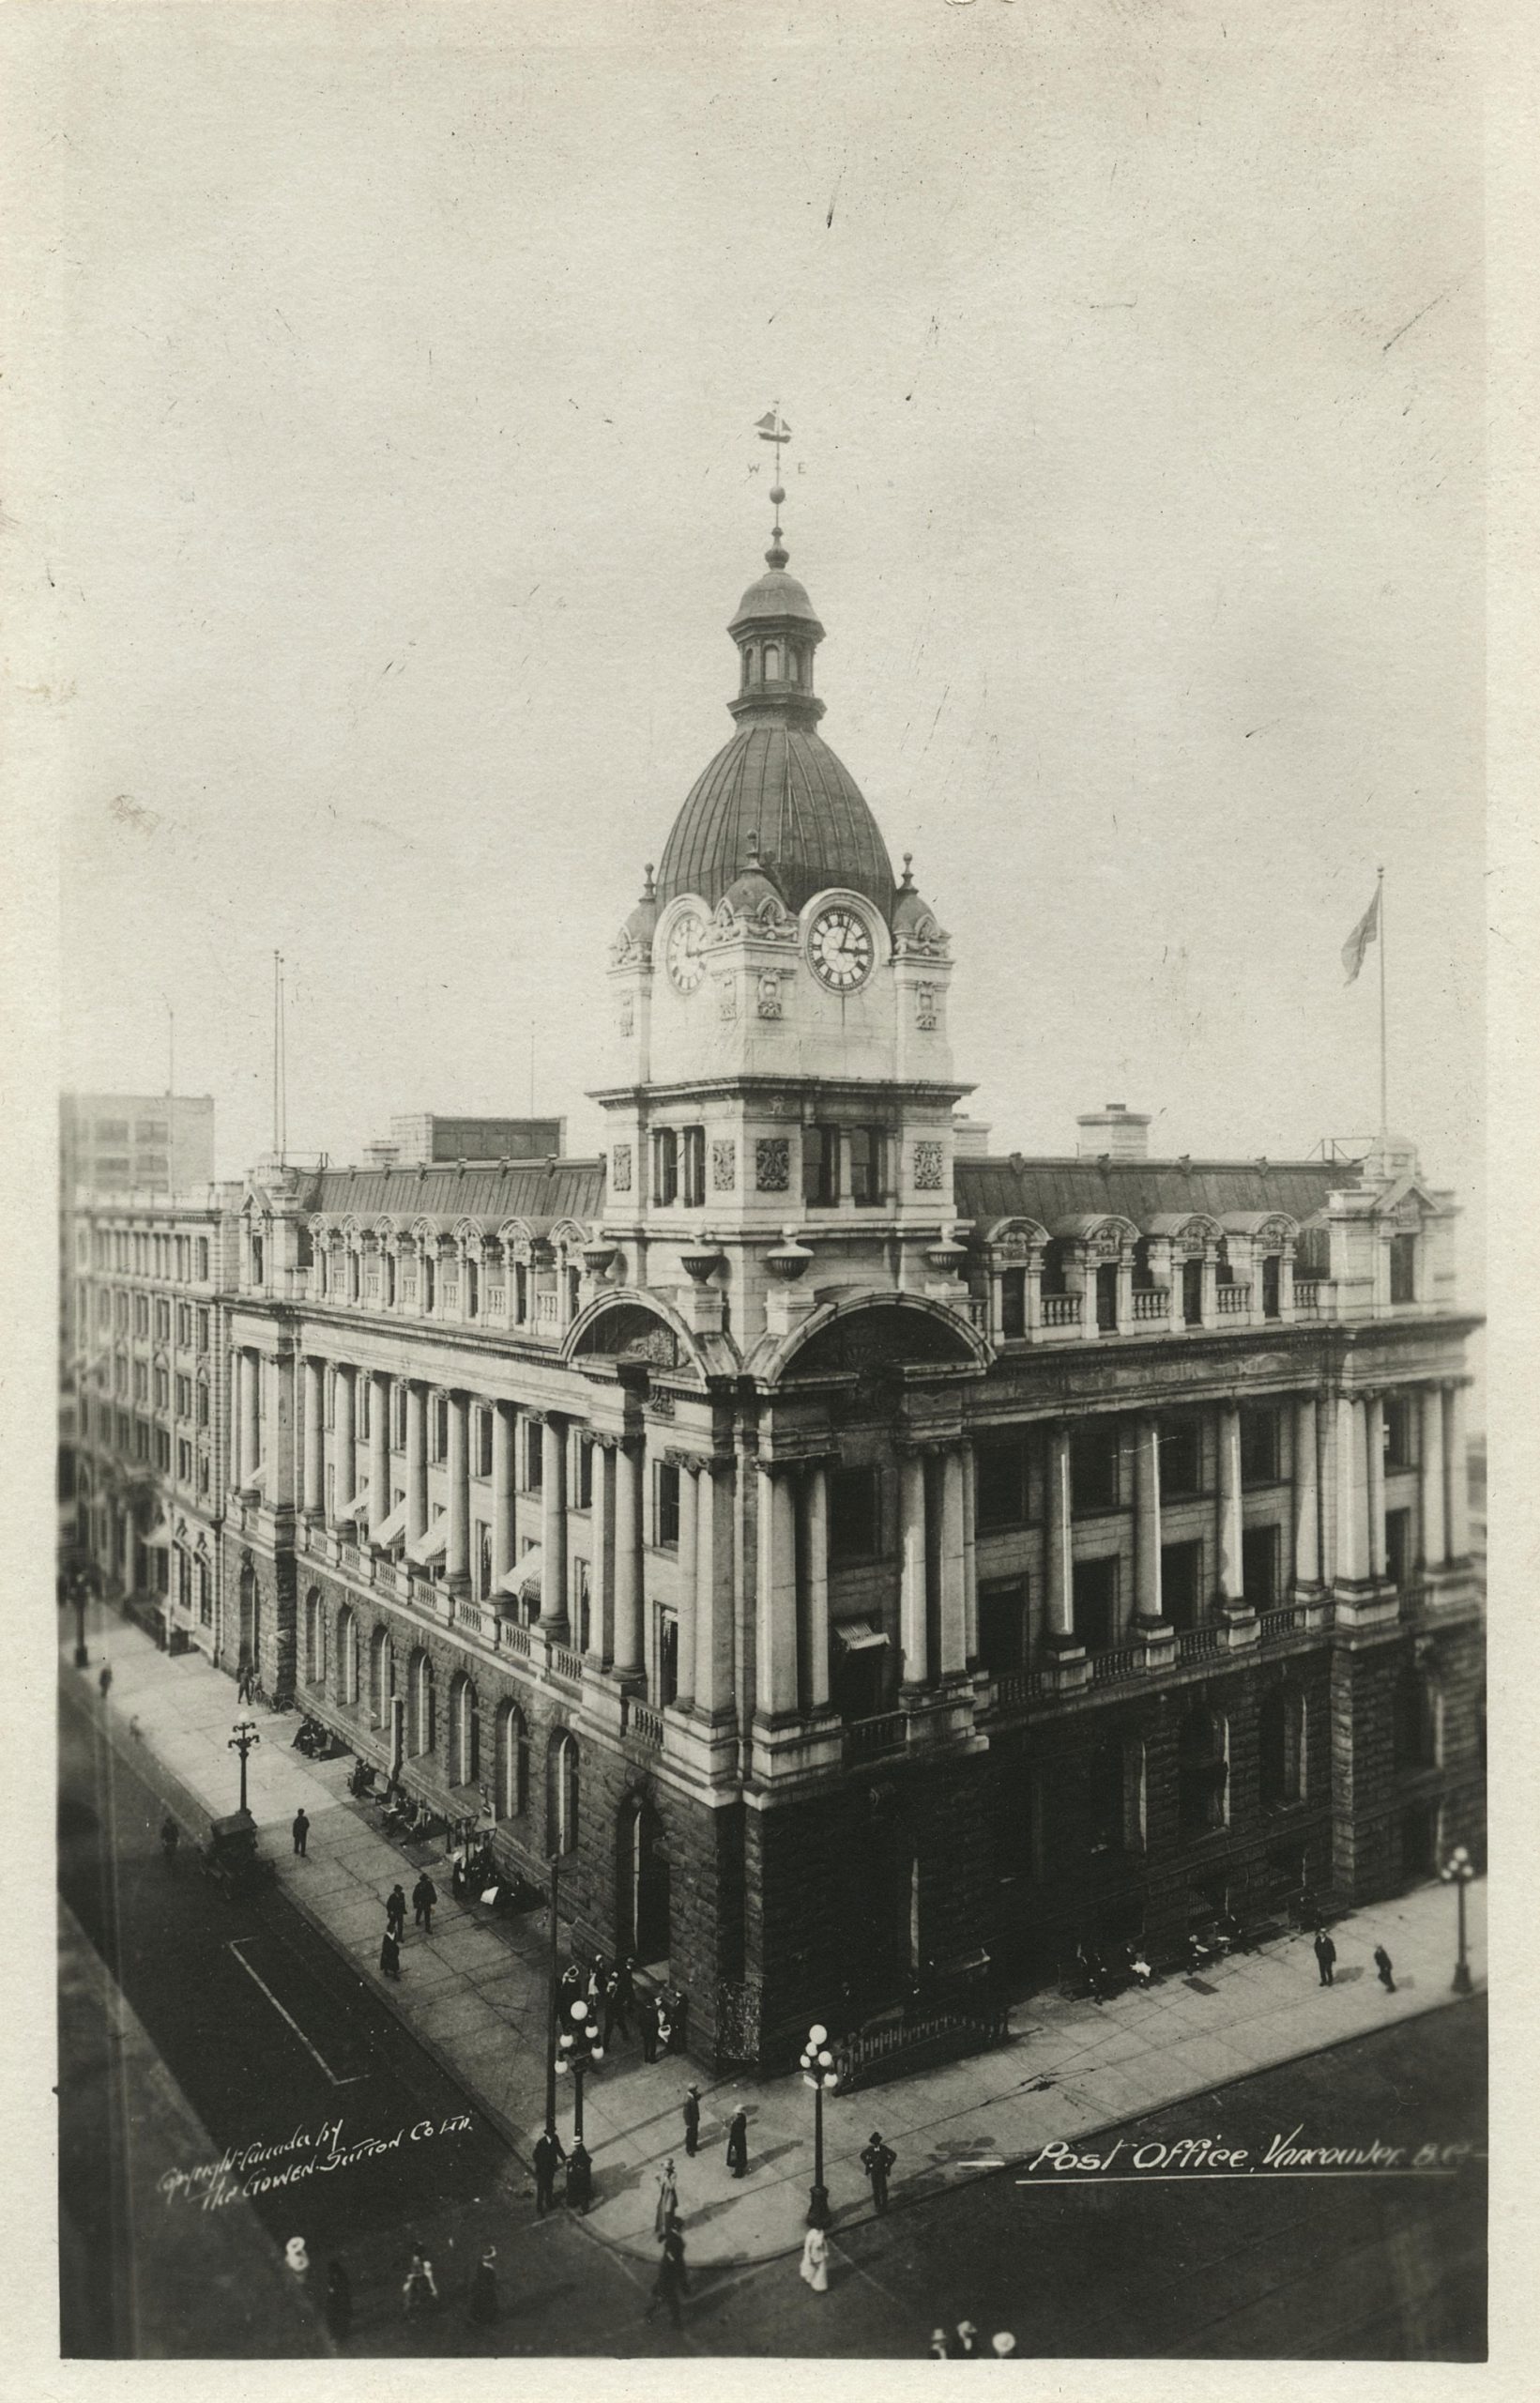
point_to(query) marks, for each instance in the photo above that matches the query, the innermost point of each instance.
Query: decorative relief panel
(924, 1006)
(770, 994)
(621, 1163)
(927, 1168)
(628, 1012)
(724, 1167)
(772, 1163)
(726, 997)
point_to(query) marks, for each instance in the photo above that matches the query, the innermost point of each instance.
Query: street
(275, 2042)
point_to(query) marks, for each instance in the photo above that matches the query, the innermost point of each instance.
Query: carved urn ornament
(791, 1258)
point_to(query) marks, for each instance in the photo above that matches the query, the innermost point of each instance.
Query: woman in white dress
(814, 2263)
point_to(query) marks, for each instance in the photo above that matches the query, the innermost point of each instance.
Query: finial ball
(777, 495)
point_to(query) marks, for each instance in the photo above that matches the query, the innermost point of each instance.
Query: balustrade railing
(1234, 1300)
(1151, 1302)
(1307, 1299)
(1060, 1309)
(566, 1663)
(641, 1722)
(1125, 1661)
(468, 1614)
(511, 1637)
(1198, 1643)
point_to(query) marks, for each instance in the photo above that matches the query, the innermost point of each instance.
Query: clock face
(684, 960)
(839, 949)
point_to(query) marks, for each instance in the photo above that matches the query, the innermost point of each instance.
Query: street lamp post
(578, 2050)
(551, 2007)
(77, 1586)
(243, 1735)
(818, 2071)
(1457, 1872)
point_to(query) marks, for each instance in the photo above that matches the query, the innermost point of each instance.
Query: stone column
(457, 1543)
(553, 1522)
(1231, 1582)
(912, 1589)
(714, 1590)
(1210, 1285)
(602, 1560)
(1352, 1497)
(1456, 1474)
(379, 1449)
(502, 1491)
(1374, 1450)
(1308, 1548)
(954, 1620)
(315, 1488)
(1435, 1529)
(343, 1442)
(776, 1635)
(1147, 1586)
(1060, 1598)
(416, 1460)
(628, 1561)
(250, 1430)
(970, 1558)
(815, 1492)
(281, 1462)
(689, 1540)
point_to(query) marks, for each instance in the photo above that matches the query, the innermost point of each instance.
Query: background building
(116, 1142)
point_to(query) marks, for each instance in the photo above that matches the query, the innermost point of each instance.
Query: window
(1403, 1268)
(440, 1447)
(512, 1763)
(579, 1601)
(1398, 1436)
(1223, 1273)
(1107, 1297)
(184, 1463)
(534, 1456)
(473, 1289)
(854, 1532)
(583, 1500)
(1272, 1285)
(398, 1395)
(563, 1794)
(184, 1326)
(203, 1330)
(1202, 1772)
(1000, 1468)
(1095, 1603)
(203, 1403)
(202, 1260)
(867, 1179)
(140, 1382)
(430, 1277)
(1103, 1796)
(1054, 1255)
(390, 1279)
(1415, 1721)
(1260, 1567)
(1094, 1466)
(1258, 1447)
(1180, 1585)
(665, 1166)
(1280, 1732)
(162, 1388)
(1002, 1625)
(151, 1131)
(665, 1506)
(203, 1473)
(112, 1130)
(1014, 1303)
(1181, 1456)
(1398, 1547)
(665, 1682)
(363, 1388)
(481, 1558)
(162, 1448)
(483, 1443)
(693, 1167)
(141, 1315)
(354, 1268)
(820, 1167)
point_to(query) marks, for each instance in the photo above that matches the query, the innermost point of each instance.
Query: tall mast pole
(1384, 1111)
(278, 958)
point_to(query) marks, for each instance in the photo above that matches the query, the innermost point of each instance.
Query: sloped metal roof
(535, 1189)
(1054, 1190)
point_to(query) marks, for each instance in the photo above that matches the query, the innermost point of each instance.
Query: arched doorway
(644, 1913)
(249, 1619)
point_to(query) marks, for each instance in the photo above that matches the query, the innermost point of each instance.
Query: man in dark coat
(391, 1951)
(1325, 1955)
(737, 2142)
(338, 2301)
(877, 2159)
(617, 2007)
(1383, 1963)
(483, 2287)
(301, 1832)
(549, 2155)
(579, 2177)
(395, 1911)
(670, 2283)
(691, 2122)
(647, 2013)
(425, 1895)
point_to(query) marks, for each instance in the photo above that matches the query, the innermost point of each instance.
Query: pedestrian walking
(105, 1681)
(939, 2347)
(548, 2159)
(665, 2031)
(483, 2287)
(613, 2014)
(966, 2348)
(425, 1895)
(877, 2159)
(301, 1832)
(671, 2281)
(395, 1911)
(391, 1951)
(579, 2177)
(738, 2143)
(815, 2262)
(691, 2122)
(1382, 1963)
(668, 2202)
(338, 2301)
(647, 2016)
(1002, 2346)
(419, 2289)
(1325, 1956)
(171, 1836)
(244, 1682)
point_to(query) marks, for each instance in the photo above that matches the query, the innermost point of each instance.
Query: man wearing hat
(968, 2342)
(691, 2122)
(1002, 2346)
(877, 2159)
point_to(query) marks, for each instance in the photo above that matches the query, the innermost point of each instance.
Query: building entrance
(644, 1884)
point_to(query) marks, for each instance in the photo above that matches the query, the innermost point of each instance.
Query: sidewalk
(474, 1995)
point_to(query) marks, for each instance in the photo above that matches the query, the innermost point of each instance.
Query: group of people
(424, 1896)
(607, 1989)
(963, 2345)
(1325, 1951)
(419, 2288)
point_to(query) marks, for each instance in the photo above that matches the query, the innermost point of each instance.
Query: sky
(401, 481)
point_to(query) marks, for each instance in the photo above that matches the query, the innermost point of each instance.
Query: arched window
(748, 658)
(315, 1639)
(419, 1705)
(772, 662)
(1418, 1713)
(1104, 1796)
(561, 1793)
(347, 1657)
(464, 1732)
(1202, 1772)
(1280, 1739)
(379, 1675)
(512, 1799)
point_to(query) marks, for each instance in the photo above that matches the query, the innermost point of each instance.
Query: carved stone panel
(723, 1165)
(772, 1163)
(620, 1164)
(927, 1168)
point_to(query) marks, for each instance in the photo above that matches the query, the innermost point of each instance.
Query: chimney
(382, 1156)
(1115, 1131)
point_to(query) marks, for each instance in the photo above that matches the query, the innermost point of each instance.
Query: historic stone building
(848, 1552)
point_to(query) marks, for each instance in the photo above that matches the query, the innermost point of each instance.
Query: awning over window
(525, 1572)
(431, 1542)
(258, 1479)
(357, 1508)
(390, 1530)
(859, 1635)
(161, 1533)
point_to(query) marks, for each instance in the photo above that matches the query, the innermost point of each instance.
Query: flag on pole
(1361, 938)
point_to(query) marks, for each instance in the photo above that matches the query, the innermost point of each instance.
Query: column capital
(602, 1440)
(678, 1458)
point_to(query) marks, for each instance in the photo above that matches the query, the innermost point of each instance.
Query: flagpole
(1384, 1111)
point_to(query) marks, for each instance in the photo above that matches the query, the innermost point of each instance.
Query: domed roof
(779, 781)
(774, 594)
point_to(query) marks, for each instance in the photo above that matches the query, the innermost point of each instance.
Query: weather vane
(773, 427)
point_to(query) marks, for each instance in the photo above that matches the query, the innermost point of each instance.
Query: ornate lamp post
(243, 1735)
(1457, 1870)
(77, 1585)
(578, 2050)
(818, 2071)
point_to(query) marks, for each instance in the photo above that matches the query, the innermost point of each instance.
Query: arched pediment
(874, 1332)
(1010, 1239)
(628, 1326)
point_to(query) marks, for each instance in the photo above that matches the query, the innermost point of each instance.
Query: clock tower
(780, 1104)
